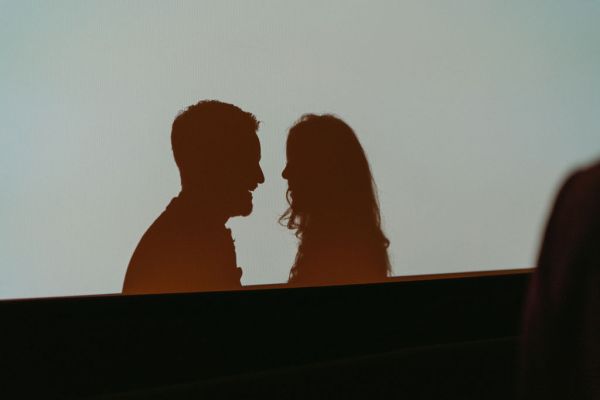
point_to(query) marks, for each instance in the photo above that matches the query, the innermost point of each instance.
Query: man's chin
(242, 210)
(247, 211)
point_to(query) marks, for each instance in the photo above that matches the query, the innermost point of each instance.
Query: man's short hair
(208, 132)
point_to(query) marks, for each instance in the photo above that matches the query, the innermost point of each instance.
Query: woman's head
(327, 171)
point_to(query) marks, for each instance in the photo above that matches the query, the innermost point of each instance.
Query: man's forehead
(248, 138)
(248, 143)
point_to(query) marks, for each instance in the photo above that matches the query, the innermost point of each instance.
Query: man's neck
(204, 206)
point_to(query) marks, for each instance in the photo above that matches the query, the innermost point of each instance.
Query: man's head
(218, 153)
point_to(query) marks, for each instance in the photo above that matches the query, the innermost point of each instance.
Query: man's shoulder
(187, 249)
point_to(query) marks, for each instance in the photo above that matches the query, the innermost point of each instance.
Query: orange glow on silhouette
(333, 206)
(188, 248)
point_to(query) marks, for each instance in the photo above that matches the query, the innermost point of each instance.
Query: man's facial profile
(244, 174)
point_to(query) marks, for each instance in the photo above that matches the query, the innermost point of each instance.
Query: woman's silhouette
(333, 206)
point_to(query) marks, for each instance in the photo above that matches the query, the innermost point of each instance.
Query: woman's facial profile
(292, 173)
(311, 169)
(300, 174)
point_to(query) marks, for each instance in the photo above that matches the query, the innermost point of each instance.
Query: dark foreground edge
(457, 333)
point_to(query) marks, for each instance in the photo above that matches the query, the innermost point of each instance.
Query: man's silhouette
(188, 247)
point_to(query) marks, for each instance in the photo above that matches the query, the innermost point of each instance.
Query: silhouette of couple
(333, 205)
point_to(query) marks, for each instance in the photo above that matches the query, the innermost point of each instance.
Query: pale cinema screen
(470, 114)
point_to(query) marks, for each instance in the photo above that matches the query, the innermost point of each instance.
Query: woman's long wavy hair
(331, 195)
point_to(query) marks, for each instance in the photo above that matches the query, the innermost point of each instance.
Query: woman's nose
(284, 173)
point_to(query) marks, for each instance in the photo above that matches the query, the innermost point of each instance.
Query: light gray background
(471, 113)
